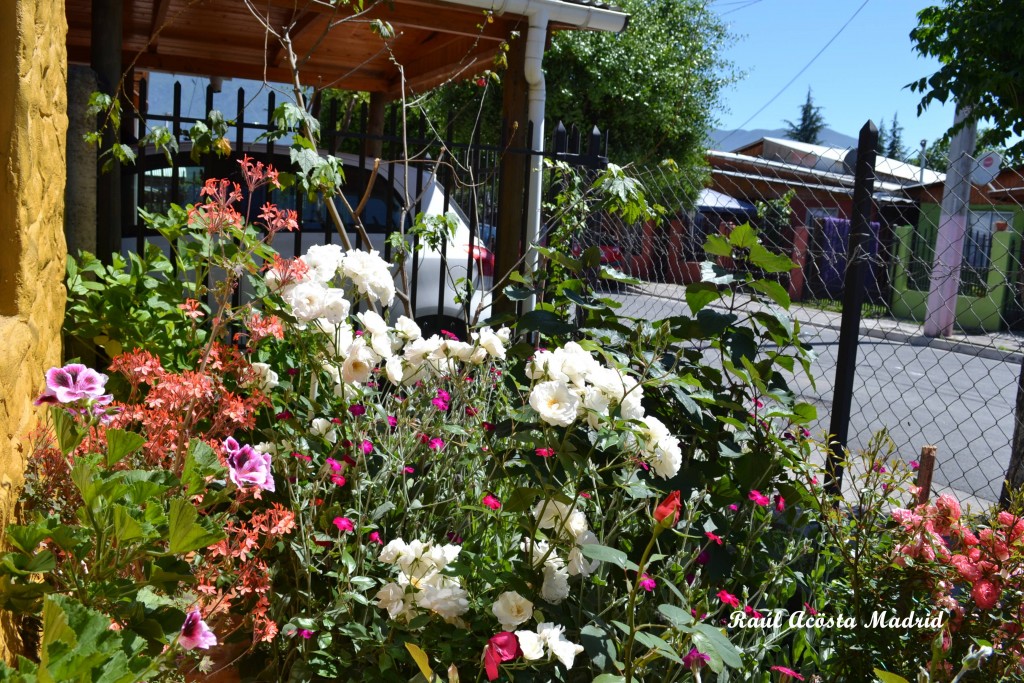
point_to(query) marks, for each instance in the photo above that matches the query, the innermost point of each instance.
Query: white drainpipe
(540, 13)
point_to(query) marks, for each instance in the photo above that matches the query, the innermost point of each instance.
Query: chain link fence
(956, 391)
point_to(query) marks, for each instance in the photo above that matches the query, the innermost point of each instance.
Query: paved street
(960, 402)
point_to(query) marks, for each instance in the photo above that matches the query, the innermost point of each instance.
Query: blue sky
(860, 76)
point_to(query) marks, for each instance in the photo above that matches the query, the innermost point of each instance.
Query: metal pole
(949, 243)
(853, 299)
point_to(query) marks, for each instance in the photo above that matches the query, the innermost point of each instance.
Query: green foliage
(810, 124)
(980, 48)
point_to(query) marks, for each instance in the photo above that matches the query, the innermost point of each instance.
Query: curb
(900, 336)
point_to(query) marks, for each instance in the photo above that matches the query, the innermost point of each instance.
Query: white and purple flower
(72, 383)
(248, 466)
(195, 633)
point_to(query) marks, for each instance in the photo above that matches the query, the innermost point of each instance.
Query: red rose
(502, 647)
(669, 507)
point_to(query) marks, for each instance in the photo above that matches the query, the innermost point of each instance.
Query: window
(978, 237)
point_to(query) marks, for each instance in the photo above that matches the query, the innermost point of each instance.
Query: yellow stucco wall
(33, 125)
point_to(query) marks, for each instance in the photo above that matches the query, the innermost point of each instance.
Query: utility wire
(798, 73)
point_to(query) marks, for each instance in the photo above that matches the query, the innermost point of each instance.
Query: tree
(883, 137)
(811, 123)
(894, 148)
(980, 45)
(654, 89)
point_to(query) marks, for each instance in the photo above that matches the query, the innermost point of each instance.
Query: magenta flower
(392, 421)
(491, 502)
(334, 465)
(713, 537)
(375, 538)
(780, 503)
(436, 444)
(442, 400)
(647, 583)
(248, 466)
(758, 498)
(195, 633)
(694, 659)
(71, 383)
(409, 469)
(344, 524)
(751, 612)
(338, 480)
(357, 409)
(367, 446)
(300, 456)
(915, 465)
(545, 452)
(305, 633)
(284, 415)
(787, 672)
(728, 598)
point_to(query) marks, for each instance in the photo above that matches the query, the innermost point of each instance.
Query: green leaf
(200, 462)
(186, 534)
(126, 527)
(743, 236)
(610, 678)
(773, 290)
(69, 434)
(769, 262)
(806, 412)
(658, 645)
(677, 615)
(595, 551)
(718, 246)
(726, 650)
(547, 323)
(887, 677)
(521, 499)
(120, 443)
(700, 294)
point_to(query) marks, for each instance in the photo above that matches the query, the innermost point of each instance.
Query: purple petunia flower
(71, 383)
(195, 633)
(248, 466)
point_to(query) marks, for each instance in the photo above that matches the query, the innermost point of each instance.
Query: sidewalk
(1001, 346)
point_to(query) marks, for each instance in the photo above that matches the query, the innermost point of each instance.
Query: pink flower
(728, 598)
(751, 612)
(487, 426)
(344, 524)
(338, 480)
(545, 452)
(334, 465)
(986, 594)
(647, 583)
(694, 659)
(810, 610)
(491, 502)
(409, 469)
(248, 466)
(915, 465)
(357, 409)
(471, 411)
(713, 537)
(375, 538)
(436, 444)
(780, 503)
(367, 446)
(305, 633)
(502, 647)
(71, 383)
(758, 498)
(441, 400)
(787, 672)
(300, 456)
(392, 421)
(195, 633)
(734, 507)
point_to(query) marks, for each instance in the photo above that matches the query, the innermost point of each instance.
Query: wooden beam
(300, 24)
(423, 74)
(159, 17)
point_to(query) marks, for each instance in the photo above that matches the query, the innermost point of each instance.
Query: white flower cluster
(551, 638)
(568, 525)
(572, 384)
(421, 584)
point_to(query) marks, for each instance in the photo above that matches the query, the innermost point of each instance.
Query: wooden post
(105, 57)
(515, 163)
(924, 473)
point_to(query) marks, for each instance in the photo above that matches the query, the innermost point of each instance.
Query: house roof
(433, 41)
(836, 160)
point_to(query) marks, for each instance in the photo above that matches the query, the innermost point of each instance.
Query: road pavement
(961, 402)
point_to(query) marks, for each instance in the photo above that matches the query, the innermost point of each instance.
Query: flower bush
(301, 488)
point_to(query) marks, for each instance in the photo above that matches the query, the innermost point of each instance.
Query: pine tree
(811, 123)
(883, 138)
(895, 148)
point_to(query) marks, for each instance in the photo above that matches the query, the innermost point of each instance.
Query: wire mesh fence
(956, 391)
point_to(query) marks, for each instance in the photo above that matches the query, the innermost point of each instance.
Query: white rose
(418, 350)
(323, 261)
(458, 349)
(557, 644)
(306, 300)
(491, 343)
(408, 329)
(576, 363)
(392, 598)
(531, 644)
(325, 428)
(551, 514)
(359, 362)
(596, 404)
(541, 553)
(578, 562)
(262, 377)
(555, 403)
(556, 585)
(370, 274)
(393, 550)
(546, 365)
(512, 609)
(335, 306)
(576, 525)
(448, 601)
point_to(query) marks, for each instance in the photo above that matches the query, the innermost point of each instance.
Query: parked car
(432, 272)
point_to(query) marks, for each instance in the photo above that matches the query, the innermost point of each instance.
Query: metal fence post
(853, 299)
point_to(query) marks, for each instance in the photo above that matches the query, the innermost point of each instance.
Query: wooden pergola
(335, 45)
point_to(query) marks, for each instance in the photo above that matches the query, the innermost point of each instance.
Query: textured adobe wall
(33, 124)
